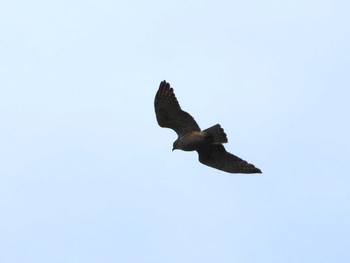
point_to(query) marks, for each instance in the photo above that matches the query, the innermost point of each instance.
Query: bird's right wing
(216, 156)
(169, 113)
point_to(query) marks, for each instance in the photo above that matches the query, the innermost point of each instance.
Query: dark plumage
(208, 143)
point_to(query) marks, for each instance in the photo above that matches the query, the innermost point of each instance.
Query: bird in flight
(208, 143)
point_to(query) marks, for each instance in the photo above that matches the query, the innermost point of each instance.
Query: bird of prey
(208, 143)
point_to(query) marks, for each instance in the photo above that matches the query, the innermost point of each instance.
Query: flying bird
(208, 143)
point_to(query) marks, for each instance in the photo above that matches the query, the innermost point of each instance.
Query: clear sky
(87, 175)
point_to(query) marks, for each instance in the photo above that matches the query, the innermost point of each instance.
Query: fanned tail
(215, 134)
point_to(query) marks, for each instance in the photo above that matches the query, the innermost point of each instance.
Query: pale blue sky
(87, 175)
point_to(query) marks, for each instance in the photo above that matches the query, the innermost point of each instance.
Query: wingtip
(164, 83)
(256, 171)
(164, 87)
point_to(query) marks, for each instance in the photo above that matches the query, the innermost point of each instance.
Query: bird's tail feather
(215, 134)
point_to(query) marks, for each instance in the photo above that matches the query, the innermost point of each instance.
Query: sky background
(87, 175)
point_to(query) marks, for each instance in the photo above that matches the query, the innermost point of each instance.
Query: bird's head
(176, 145)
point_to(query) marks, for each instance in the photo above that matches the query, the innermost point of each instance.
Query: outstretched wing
(216, 156)
(169, 113)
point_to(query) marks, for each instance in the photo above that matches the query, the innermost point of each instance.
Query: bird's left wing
(169, 113)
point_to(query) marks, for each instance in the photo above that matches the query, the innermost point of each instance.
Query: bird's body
(208, 143)
(190, 141)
